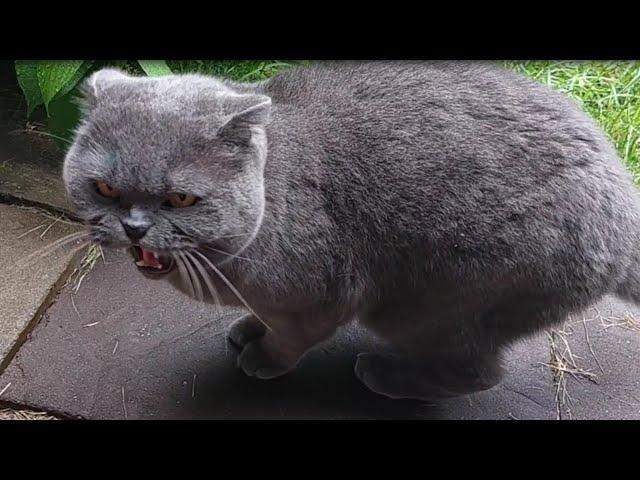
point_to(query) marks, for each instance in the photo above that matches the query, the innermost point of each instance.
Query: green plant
(53, 85)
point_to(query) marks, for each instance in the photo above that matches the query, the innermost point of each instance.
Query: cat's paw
(256, 362)
(377, 372)
(392, 377)
(244, 330)
(398, 377)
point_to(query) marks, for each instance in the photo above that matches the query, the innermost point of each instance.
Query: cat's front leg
(245, 330)
(269, 352)
(257, 356)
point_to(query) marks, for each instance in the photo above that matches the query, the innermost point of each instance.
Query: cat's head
(166, 164)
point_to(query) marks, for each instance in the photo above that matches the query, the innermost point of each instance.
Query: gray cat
(452, 207)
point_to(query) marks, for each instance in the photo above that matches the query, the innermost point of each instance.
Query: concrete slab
(32, 183)
(605, 345)
(136, 349)
(30, 160)
(524, 393)
(24, 291)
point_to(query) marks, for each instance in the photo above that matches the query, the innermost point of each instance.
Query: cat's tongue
(150, 259)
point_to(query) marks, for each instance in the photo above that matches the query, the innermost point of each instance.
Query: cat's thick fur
(452, 207)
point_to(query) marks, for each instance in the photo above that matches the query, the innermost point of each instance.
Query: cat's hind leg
(446, 354)
(424, 378)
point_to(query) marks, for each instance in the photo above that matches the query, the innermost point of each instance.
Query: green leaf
(155, 68)
(26, 71)
(53, 76)
(75, 79)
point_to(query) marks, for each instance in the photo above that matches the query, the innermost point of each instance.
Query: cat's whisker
(186, 280)
(64, 239)
(195, 280)
(231, 287)
(52, 247)
(205, 277)
(232, 255)
(235, 236)
(24, 263)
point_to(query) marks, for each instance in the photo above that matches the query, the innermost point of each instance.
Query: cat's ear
(256, 111)
(98, 82)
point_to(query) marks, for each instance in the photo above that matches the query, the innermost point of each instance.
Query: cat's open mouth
(148, 261)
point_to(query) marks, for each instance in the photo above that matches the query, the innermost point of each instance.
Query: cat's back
(431, 143)
(465, 168)
(463, 114)
(333, 83)
(341, 84)
(442, 103)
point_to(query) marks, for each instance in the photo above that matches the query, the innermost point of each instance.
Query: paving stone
(24, 290)
(33, 184)
(524, 394)
(137, 349)
(605, 345)
(168, 357)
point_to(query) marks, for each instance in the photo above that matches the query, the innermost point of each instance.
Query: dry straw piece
(9, 414)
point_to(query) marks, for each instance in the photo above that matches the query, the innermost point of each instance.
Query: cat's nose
(135, 232)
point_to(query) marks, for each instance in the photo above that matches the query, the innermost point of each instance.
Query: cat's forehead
(186, 94)
(137, 125)
(147, 113)
(112, 97)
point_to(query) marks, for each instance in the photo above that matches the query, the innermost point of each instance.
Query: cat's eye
(107, 190)
(182, 200)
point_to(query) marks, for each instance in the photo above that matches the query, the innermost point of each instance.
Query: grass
(240, 70)
(88, 262)
(608, 91)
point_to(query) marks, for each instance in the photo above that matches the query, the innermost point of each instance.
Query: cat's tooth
(141, 263)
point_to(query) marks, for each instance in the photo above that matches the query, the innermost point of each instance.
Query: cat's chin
(152, 264)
